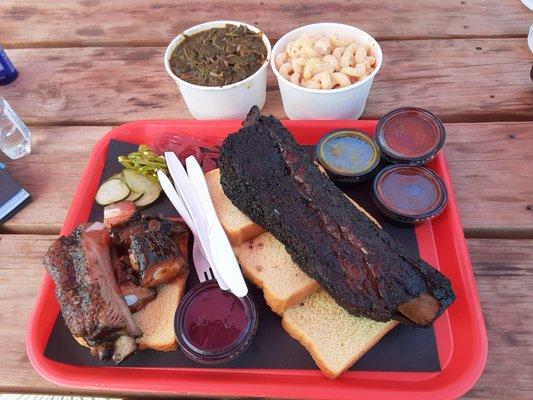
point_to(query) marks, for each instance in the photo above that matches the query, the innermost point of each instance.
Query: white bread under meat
(239, 228)
(265, 262)
(156, 319)
(335, 338)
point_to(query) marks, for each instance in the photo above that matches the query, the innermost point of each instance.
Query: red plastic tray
(460, 332)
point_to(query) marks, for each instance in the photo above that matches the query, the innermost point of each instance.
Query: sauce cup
(348, 155)
(343, 103)
(410, 135)
(409, 195)
(221, 102)
(214, 326)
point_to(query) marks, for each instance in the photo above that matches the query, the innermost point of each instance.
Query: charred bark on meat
(87, 290)
(269, 177)
(96, 285)
(153, 247)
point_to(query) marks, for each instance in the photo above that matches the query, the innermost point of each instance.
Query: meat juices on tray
(269, 177)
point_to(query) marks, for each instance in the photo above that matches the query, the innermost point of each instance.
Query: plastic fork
(224, 259)
(191, 202)
(200, 260)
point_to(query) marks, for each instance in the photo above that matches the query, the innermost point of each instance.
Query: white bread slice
(156, 319)
(335, 338)
(239, 228)
(267, 264)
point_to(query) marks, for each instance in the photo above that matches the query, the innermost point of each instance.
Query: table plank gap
(59, 44)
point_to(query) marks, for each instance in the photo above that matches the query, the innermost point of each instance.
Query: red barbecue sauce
(408, 191)
(410, 135)
(409, 194)
(215, 319)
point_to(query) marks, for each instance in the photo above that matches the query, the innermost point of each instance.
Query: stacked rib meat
(104, 272)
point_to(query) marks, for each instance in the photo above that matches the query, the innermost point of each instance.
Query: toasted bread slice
(335, 338)
(267, 264)
(239, 228)
(156, 319)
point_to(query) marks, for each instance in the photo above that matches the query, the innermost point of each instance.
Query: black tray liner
(403, 349)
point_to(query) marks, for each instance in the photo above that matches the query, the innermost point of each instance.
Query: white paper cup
(344, 103)
(221, 102)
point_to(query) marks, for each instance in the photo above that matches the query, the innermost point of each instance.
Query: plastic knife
(223, 256)
(184, 187)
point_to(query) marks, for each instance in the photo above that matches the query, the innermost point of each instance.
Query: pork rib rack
(270, 178)
(90, 298)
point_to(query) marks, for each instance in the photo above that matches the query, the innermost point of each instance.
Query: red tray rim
(460, 369)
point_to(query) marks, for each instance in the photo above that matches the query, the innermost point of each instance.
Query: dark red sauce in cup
(410, 135)
(213, 325)
(409, 194)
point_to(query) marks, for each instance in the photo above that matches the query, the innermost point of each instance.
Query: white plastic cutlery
(175, 199)
(201, 262)
(223, 256)
(189, 196)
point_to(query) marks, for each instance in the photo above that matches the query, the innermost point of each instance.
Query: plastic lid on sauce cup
(409, 194)
(348, 155)
(410, 135)
(214, 326)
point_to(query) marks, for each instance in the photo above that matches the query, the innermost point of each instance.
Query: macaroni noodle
(325, 62)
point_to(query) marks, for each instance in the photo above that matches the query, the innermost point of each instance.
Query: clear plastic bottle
(15, 137)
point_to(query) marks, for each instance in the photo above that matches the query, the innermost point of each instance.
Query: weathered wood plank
(504, 276)
(21, 273)
(503, 269)
(461, 80)
(148, 23)
(489, 163)
(491, 170)
(51, 174)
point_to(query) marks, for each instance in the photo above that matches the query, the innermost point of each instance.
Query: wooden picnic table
(86, 66)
